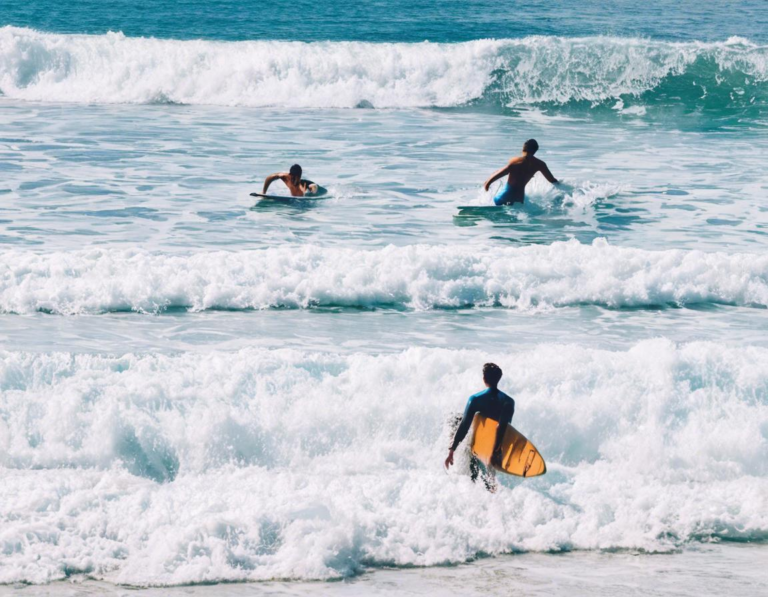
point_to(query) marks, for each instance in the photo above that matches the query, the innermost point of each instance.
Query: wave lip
(115, 69)
(112, 68)
(418, 277)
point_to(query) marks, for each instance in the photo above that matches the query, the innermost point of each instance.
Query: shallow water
(199, 387)
(706, 570)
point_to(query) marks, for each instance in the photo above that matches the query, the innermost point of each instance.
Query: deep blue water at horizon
(394, 20)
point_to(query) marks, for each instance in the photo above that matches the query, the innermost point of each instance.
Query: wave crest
(112, 68)
(413, 277)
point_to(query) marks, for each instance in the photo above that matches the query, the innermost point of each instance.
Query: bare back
(519, 172)
(303, 188)
(297, 190)
(523, 168)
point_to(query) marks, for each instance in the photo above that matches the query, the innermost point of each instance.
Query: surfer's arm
(497, 175)
(547, 174)
(270, 179)
(461, 432)
(309, 187)
(466, 422)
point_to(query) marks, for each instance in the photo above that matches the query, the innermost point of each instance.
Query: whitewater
(413, 277)
(179, 469)
(201, 390)
(113, 68)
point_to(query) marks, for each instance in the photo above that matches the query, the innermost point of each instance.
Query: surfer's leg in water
(509, 195)
(488, 476)
(474, 468)
(489, 479)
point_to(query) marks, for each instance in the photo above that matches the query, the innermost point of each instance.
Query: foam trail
(112, 68)
(257, 464)
(569, 194)
(413, 277)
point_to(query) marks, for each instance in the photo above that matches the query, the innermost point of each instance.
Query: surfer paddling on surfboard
(519, 172)
(298, 186)
(491, 403)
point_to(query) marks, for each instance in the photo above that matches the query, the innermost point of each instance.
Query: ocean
(201, 388)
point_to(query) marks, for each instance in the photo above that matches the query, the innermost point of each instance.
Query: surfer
(492, 403)
(520, 171)
(298, 186)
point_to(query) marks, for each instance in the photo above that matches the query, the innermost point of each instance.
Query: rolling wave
(258, 464)
(420, 277)
(112, 68)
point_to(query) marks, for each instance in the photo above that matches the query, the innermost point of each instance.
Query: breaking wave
(112, 68)
(417, 277)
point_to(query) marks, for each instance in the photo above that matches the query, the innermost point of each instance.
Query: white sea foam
(540, 194)
(112, 68)
(415, 277)
(168, 469)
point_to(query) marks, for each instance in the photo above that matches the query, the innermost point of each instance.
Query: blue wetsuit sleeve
(466, 421)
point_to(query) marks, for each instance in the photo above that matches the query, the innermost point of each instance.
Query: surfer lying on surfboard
(492, 403)
(520, 170)
(298, 186)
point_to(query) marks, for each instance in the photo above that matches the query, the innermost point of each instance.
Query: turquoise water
(376, 21)
(196, 386)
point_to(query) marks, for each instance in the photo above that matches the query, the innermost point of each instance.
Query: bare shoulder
(515, 161)
(540, 164)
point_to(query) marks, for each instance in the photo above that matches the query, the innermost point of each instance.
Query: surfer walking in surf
(298, 186)
(491, 403)
(519, 171)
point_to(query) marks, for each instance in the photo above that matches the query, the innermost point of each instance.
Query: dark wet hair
(492, 374)
(531, 146)
(295, 172)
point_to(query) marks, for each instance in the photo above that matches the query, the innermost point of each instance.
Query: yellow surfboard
(519, 456)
